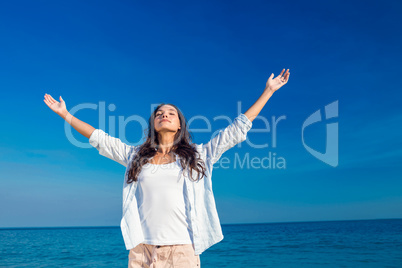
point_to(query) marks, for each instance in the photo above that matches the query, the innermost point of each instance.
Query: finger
(280, 75)
(47, 103)
(53, 99)
(287, 78)
(287, 74)
(270, 77)
(47, 98)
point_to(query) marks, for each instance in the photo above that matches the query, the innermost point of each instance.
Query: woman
(169, 213)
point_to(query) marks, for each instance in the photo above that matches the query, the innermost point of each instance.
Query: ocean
(355, 243)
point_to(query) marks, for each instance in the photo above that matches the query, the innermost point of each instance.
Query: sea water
(358, 243)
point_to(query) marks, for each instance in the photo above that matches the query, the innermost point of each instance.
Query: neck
(165, 142)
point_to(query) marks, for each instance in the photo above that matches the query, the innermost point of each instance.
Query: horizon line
(251, 223)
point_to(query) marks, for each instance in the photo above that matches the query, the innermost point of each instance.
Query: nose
(165, 115)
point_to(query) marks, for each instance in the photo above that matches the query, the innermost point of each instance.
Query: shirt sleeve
(233, 134)
(110, 147)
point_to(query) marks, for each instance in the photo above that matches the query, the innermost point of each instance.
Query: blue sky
(206, 57)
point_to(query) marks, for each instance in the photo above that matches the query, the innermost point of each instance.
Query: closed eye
(158, 114)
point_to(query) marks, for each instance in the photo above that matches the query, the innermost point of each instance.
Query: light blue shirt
(205, 225)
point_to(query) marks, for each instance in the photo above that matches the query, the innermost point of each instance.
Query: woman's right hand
(57, 107)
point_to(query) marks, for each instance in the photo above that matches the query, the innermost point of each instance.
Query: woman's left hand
(273, 84)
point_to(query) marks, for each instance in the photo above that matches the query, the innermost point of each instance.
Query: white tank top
(163, 205)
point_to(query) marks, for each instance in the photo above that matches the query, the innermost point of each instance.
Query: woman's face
(167, 119)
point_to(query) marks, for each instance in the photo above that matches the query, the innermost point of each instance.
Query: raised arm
(273, 84)
(111, 147)
(236, 132)
(60, 109)
(226, 138)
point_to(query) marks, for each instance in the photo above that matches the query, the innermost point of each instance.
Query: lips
(164, 120)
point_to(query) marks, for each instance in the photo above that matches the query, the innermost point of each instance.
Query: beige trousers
(151, 256)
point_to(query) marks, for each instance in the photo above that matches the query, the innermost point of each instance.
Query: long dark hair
(187, 153)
